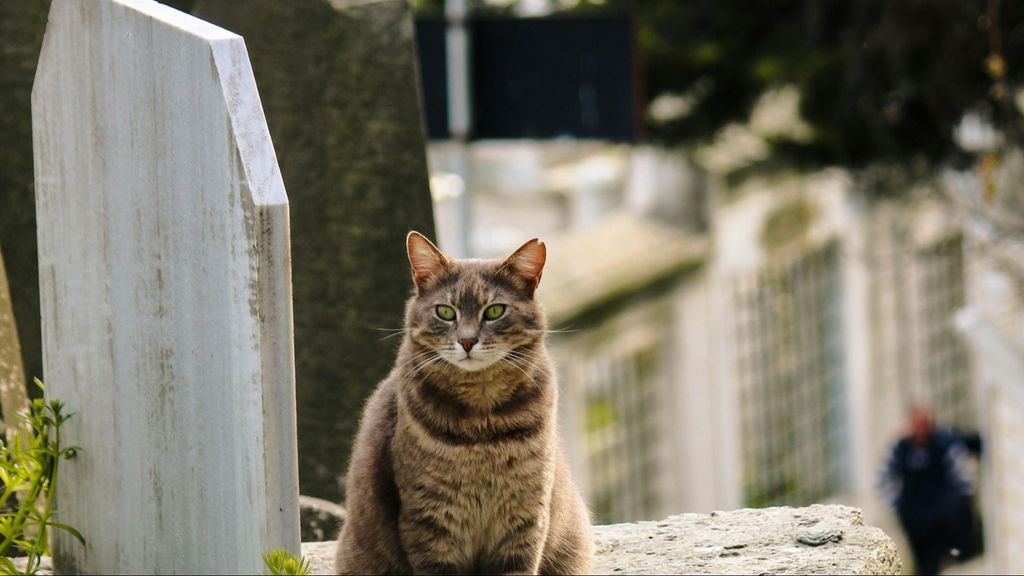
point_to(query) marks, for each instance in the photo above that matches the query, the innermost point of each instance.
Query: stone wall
(818, 539)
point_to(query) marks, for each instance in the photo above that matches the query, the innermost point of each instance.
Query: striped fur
(459, 470)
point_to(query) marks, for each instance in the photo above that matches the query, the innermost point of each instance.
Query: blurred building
(839, 309)
(778, 265)
(619, 358)
(993, 322)
(727, 332)
(729, 344)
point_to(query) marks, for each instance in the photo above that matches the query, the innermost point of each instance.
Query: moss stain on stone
(788, 224)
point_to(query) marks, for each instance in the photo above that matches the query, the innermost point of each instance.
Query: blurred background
(775, 229)
(785, 238)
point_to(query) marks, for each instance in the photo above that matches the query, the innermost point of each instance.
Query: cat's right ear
(426, 260)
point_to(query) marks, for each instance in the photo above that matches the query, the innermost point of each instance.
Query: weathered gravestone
(21, 33)
(165, 289)
(13, 397)
(341, 93)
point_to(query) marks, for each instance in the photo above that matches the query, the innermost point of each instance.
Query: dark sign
(538, 78)
(430, 38)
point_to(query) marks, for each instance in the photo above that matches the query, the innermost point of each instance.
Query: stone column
(340, 88)
(165, 290)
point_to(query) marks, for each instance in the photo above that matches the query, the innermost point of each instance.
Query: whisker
(527, 361)
(421, 366)
(520, 360)
(520, 368)
(422, 362)
(519, 354)
(416, 358)
(394, 332)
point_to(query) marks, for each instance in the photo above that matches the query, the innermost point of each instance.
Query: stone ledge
(748, 541)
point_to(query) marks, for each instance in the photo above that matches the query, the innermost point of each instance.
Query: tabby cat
(457, 467)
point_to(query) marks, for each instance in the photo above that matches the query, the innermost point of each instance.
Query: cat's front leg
(430, 546)
(520, 547)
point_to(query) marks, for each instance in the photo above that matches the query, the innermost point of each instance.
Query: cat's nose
(467, 343)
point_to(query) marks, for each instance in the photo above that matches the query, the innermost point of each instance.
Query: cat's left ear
(527, 264)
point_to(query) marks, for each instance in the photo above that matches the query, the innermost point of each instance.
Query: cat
(457, 467)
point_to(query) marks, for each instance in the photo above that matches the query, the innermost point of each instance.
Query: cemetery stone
(165, 291)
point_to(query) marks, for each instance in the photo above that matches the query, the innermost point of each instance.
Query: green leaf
(69, 529)
(26, 546)
(7, 566)
(28, 469)
(283, 562)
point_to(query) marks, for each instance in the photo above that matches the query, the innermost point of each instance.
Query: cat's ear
(426, 260)
(527, 264)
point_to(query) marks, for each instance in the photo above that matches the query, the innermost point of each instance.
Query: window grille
(944, 367)
(789, 347)
(622, 432)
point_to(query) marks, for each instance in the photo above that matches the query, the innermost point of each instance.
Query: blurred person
(930, 492)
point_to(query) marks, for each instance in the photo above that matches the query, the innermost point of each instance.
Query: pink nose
(467, 343)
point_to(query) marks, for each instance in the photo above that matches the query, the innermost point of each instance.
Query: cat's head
(475, 313)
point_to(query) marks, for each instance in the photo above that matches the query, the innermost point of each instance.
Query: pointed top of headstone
(111, 23)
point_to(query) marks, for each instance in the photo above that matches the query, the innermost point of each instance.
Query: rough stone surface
(340, 89)
(320, 520)
(748, 541)
(166, 294)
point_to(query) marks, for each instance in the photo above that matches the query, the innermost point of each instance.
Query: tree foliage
(880, 80)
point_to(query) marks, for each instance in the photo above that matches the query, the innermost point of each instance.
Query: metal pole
(460, 113)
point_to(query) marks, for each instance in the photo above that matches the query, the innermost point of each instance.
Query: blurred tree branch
(880, 80)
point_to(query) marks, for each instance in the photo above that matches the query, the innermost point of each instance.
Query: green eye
(445, 312)
(494, 311)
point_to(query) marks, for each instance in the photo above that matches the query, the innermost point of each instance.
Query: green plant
(281, 561)
(28, 471)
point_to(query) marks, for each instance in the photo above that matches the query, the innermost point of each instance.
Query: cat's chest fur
(473, 472)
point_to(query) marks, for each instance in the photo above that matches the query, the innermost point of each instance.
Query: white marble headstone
(165, 293)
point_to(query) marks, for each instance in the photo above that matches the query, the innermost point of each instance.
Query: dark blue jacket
(926, 483)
